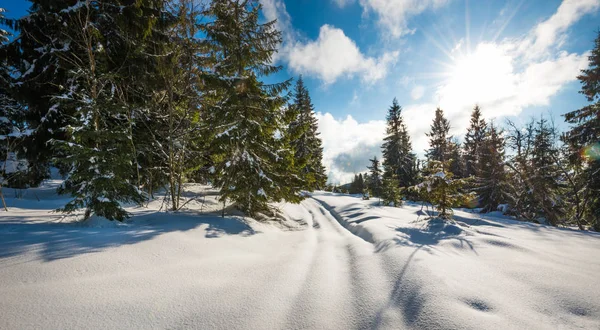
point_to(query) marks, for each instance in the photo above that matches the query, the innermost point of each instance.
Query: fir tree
(360, 185)
(491, 182)
(100, 148)
(173, 142)
(11, 125)
(473, 144)
(584, 140)
(398, 158)
(439, 141)
(305, 141)
(40, 69)
(545, 186)
(3, 21)
(251, 164)
(455, 159)
(521, 174)
(441, 189)
(390, 193)
(375, 178)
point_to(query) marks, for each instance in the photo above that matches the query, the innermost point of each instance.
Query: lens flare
(592, 151)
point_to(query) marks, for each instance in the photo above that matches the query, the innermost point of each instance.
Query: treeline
(531, 171)
(128, 97)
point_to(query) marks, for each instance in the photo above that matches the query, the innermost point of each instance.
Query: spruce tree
(40, 72)
(390, 193)
(543, 161)
(353, 184)
(100, 92)
(374, 183)
(398, 158)
(455, 159)
(521, 175)
(491, 181)
(173, 142)
(439, 140)
(360, 185)
(473, 144)
(441, 189)
(12, 167)
(391, 144)
(583, 139)
(3, 21)
(251, 163)
(305, 141)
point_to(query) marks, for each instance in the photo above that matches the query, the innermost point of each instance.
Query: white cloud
(394, 14)
(502, 77)
(331, 57)
(334, 55)
(417, 92)
(276, 10)
(550, 33)
(342, 3)
(508, 76)
(348, 145)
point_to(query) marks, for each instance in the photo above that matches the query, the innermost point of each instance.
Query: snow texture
(334, 262)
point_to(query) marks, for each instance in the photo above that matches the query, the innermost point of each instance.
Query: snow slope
(483, 271)
(191, 269)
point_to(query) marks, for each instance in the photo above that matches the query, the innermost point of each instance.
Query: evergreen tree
(455, 158)
(390, 193)
(375, 178)
(353, 184)
(99, 92)
(491, 181)
(439, 141)
(441, 189)
(251, 164)
(545, 186)
(398, 158)
(3, 21)
(473, 144)
(360, 185)
(584, 141)
(521, 174)
(11, 167)
(38, 59)
(173, 142)
(536, 189)
(305, 141)
(391, 144)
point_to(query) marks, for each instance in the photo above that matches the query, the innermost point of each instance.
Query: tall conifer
(584, 139)
(474, 142)
(251, 163)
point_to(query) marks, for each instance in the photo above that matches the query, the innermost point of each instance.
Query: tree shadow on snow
(431, 233)
(53, 241)
(406, 295)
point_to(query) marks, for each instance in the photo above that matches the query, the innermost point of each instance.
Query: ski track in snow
(351, 267)
(322, 277)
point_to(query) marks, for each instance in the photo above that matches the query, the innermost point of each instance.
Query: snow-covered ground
(335, 262)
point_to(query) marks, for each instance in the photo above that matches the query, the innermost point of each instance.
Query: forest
(130, 98)
(127, 98)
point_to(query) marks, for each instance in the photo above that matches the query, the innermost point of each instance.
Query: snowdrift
(481, 271)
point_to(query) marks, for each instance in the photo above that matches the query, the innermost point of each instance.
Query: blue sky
(518, 59)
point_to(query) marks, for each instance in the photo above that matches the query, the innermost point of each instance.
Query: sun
(483, 75)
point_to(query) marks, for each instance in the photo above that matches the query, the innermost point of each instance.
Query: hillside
(334, 262)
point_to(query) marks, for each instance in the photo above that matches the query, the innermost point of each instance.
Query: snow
(333, 262)
(440, 175)
(12, 164)
(481, 271)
